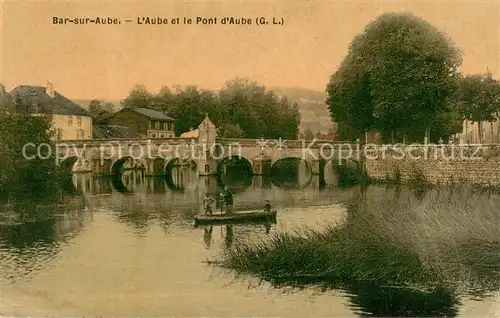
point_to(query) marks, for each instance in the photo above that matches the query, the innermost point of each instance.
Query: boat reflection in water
(256, 216)
(227, 232)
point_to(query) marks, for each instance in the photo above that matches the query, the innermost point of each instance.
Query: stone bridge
(205, 153)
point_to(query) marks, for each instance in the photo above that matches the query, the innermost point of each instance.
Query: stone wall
(436, 164)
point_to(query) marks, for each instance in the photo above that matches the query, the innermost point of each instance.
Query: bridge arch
(291, 172)
(225, 164)
(119, 165)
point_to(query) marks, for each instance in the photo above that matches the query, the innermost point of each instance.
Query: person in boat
(227, 201)
(207, 204)
(267, 206)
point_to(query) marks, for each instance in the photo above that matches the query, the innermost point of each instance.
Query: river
(135, 252)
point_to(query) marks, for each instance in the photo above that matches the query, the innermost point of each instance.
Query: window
(165, 126)
(78, 134)
(157, 125)
(154, 135)
(82, 134)
(59, 133)
(79, 120)
(162, 136)
(70, 120)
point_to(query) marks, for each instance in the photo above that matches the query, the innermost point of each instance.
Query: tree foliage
(100, 113)
(398, 77)
(479, 99)
(242, 108)
(26, 176)
(138, 97)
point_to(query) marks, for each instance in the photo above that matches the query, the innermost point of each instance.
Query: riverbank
(422, 239)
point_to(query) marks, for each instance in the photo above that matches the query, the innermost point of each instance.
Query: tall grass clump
(445, 237)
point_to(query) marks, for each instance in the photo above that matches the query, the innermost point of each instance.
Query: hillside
(314, 112)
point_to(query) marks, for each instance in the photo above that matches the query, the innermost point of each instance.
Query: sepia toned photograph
(240, 158)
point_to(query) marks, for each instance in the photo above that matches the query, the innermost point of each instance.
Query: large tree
(139, 97)
(398, 77)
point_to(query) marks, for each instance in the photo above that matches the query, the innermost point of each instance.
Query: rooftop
(191, 134)
(153, 114)
(37, 100)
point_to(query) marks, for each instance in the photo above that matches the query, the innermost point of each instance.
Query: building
(69, 120)
(147, 122)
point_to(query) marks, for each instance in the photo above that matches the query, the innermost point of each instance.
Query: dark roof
(113, 131)
(38, 101)
(153, 114)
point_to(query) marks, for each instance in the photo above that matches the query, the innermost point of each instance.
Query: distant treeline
(241, 109)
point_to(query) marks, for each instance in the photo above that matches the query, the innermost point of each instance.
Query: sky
(106, 61)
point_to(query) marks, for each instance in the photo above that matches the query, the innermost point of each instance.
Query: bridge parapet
(127, 141)
(285, 143)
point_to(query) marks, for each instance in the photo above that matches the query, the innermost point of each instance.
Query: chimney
(50, 89)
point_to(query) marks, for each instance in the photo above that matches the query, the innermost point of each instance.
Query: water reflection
(291, 173)
(207, 237)
(236, 182)
(288, 173)
(26, 235)
(135, 181)
(31, 246)
(227, 232)
(229, 237)
(181, 175)
(378, 300)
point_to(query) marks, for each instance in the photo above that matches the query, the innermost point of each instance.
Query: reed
(442, 237)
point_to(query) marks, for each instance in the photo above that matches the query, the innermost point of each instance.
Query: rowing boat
(240, 217)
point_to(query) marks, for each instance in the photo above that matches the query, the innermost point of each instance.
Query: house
(147, 122)
(69, 120)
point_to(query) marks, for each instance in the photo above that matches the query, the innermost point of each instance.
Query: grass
(442, 237)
